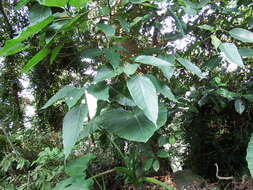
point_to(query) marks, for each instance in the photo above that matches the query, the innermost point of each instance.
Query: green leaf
(168, 70)
(54, 53)
(124, 24)
(231, 53)
(72, 125)
(151, 60)
(53, 3)
(107, 29)
(36, 59)
(162, 88)
(77, 3)
(215, 41)
(163, 154)
(144, 95)
(155, 181)
(74, 183)
(133, 126)
(130, 69)
(112, 57)
(10, 48)
(90, 53)
(246, 52)
(156, 165)
(21, 4)
(38, 13)
(88, 129)
(242, 35)
(249, 156)
(148, 164)
(239, 106)
(191, 67)
(69, 93)
(103, 73)
(99, 91)
(77, 166)
(227, 94)
(207, 27)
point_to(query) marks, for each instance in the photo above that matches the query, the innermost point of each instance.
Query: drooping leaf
(77, 166)
(107, 29)
(112, 57)
(99, 91)
(78, 3)
(54, 53)
(249, 156)
(242, 35)
(191, 67)
(72, 125)
(239, 106)
(162, 88)
(69, 93)
(103, 73)
(231, 53)
(151, 60)
(133, 126)
(36, 59)
(144, 95)
(38, 13)
(53, 3)
(246, 52)
(130, 69)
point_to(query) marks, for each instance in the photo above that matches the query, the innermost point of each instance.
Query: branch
(219, 177)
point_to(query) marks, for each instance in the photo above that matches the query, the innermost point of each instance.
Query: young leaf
(77, 3)
(99, 91)
(230, 51)
(191, 67)
(144, 95)
(239, 106)
(107, 29)
(249, 156)
(36, 59)
(242, 35)
(151, 60)
(72, 125)
(156, 165)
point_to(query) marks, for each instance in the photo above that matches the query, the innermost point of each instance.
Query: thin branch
(219, 177)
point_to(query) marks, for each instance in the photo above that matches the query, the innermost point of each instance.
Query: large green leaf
(53, 3)
(239, 106)
(144, 95)
(130, 69)
(78, 3)
(242, 35)
(107, 29)
(74, 183)
(133, 126)
(191, 67)
(72, 125)
(69, 93)
(21, 4)
(77, 166)
(249, 156)
(36, 59)
(246, 52)
(112, 57)
(103, 73)
(168, 70)
(54, 53)
(10, 48)
(99, 91)
(231, 53)
(38, 13)
(162, 88)
(151, 60)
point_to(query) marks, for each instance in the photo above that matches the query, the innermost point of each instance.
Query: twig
(219, 177)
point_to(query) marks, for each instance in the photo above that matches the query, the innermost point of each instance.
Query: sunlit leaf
(53, 3)
(78, 3)
(130, 69)
(99, 91)
(191, 67)
(156, 165)
(107, 29)
(249, 156)
(151, 60)
(242, 35)
(239, 106)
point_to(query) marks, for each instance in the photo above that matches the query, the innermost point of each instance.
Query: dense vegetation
(125, 92)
